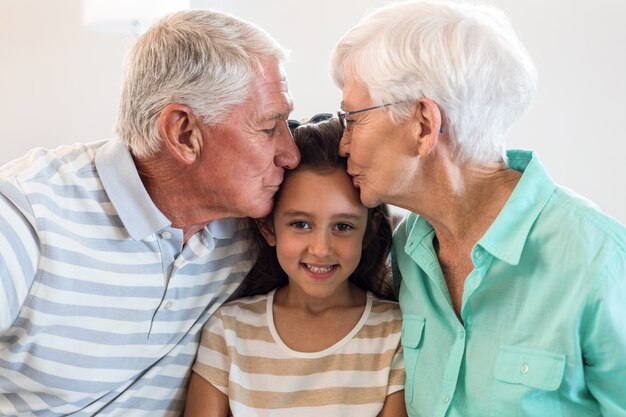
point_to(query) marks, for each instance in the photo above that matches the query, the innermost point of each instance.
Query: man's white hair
(200, 58)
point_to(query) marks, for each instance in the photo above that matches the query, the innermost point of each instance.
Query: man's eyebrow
(281, 115)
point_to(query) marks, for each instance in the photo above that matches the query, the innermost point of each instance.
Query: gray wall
(60, 83)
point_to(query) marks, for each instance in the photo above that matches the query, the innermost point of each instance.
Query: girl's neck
(315, 327)
(293, 298)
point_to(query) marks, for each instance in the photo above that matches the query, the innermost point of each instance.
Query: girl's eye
(300, 225)
(344, 227)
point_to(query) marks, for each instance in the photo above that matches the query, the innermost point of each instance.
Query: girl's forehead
(310, 189)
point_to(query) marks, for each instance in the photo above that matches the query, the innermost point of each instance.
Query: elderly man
(113, 254)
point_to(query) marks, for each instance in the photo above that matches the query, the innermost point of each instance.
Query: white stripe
(97, 301)
(251, 347)
(324, 379)
(357, 410)
(98, 276)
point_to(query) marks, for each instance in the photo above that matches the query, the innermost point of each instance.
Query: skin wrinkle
(425, 178)
(191, 179)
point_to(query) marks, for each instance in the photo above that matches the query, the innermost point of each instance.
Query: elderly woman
(512, 287)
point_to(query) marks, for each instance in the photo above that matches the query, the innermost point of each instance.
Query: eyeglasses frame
(343, 114)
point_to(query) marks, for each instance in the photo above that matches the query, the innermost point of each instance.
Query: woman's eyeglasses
(344, 114)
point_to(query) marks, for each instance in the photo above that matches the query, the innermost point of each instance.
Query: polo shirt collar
(139, 215)
(121, 181)
(506, 237)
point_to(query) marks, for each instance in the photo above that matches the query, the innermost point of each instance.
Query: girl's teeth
(318, 269)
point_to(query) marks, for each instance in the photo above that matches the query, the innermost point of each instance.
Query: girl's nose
(320, 244)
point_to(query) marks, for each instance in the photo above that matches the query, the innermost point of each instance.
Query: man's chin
(262, 210)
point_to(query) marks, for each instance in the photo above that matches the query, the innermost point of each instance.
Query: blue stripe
(99, 243)
(239, 237)
(14, 399)
(150, 404)
(18, 247)
(57, 161)
(203, 268)
(108, 290)
(17, 198)
(6, 280)
(57, 381)
(111, 313)
(19, 404)
(50, 169)
(109, 338)
(80, 259)
(81, 360)
(77, 191)
(73, 216)
(212, 287)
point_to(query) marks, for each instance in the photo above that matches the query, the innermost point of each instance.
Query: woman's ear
(428, 125)
(266, 227)
(181, 132)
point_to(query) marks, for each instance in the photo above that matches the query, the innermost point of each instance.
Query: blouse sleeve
(213, 361)
(603, 338)
(397, 374)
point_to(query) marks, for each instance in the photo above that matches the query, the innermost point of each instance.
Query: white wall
(60, 83)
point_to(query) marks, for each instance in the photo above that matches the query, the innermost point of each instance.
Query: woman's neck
(461, 201)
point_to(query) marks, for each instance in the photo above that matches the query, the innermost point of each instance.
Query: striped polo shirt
(101, 304)
(243, 356)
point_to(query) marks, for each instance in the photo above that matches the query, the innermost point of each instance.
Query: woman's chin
(368, 199)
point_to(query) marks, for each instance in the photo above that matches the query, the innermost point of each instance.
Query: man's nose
(287, 154)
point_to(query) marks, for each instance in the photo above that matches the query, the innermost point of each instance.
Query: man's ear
(428, 125)
(180, 130)
(266, 227)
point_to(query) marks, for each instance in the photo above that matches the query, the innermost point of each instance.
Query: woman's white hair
(200, 58)
(466, 57)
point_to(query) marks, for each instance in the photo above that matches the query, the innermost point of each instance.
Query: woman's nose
(344, 146)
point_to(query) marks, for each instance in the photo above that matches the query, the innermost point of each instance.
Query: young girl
(316, 334)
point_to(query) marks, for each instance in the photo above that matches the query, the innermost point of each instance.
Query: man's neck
(170, 187)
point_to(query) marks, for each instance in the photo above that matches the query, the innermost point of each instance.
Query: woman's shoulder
(384, 307)
(407, 225)
(384, 321)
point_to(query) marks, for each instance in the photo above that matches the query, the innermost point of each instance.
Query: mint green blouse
(544, 310)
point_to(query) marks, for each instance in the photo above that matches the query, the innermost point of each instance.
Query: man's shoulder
(51, 163)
